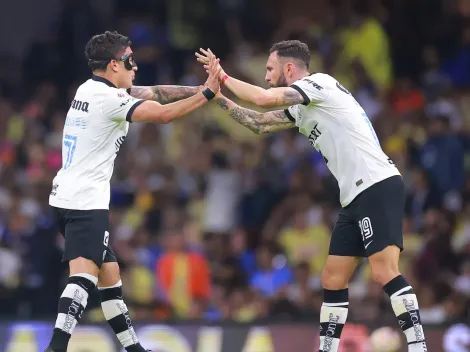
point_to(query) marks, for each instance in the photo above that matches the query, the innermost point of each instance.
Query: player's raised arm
(258, 122)
(164, 94)
(286, 67)
(273, 97)
(151, 111)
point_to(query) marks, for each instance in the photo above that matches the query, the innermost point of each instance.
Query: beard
(281, 82)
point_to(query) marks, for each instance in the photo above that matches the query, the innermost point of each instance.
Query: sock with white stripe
(333, 315)
(72, 303)
(116, 313)
(405, 306)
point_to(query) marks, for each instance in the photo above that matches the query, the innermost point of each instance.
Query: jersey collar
(102, 80)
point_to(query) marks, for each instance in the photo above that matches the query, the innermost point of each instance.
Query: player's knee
(383, 274)
(384, 265)
(333, 280)
(109, 275)
(83, 265)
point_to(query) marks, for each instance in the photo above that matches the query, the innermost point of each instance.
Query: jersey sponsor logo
(76, 122)
(315, 85)
(125, 102)
(314, 134)
(312, 138)
(80, 105)
(341, 88)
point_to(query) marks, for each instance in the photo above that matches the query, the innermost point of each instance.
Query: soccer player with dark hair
(95, 128)
(372, 192)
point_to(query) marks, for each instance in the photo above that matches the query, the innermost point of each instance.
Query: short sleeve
(311, 90)
(119, 105)
(293, 112)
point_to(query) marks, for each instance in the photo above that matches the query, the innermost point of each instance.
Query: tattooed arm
(258, 122)
(281, 96)
(164, 94)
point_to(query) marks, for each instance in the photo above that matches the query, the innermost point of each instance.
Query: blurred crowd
(212, 222)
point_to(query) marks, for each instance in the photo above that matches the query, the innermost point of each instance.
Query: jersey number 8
(70, 142)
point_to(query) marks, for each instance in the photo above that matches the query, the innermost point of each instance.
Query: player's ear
(289, 69)
(113, 65)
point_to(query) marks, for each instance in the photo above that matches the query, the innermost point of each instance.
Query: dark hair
(102, 48)
(294, 49)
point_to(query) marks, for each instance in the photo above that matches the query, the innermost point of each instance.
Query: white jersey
(95, 128)
(337, 126)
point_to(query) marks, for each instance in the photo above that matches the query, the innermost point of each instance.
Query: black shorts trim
(86, 234)
(372, 221)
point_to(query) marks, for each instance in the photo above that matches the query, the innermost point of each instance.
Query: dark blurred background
(208, 220)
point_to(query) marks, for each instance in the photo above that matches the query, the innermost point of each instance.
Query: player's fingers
(210, 53)
(204, 52)
(200, 57)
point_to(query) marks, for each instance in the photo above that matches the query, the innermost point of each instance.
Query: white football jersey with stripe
(95, 128)
(337, 126)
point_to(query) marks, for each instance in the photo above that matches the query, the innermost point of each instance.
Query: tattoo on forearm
(258, 122)
(164, 94)
(292, 97)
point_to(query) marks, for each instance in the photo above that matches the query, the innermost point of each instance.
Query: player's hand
(204, 59)
(213, 69)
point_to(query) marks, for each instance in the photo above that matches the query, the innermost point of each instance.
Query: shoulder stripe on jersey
(305, 96)
(289, 116)
(131, 110)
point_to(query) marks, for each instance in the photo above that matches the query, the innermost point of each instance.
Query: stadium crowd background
(212, 222)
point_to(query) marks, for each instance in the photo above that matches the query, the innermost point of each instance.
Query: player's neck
(301, 75)
(304, 74)
(107, 77)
